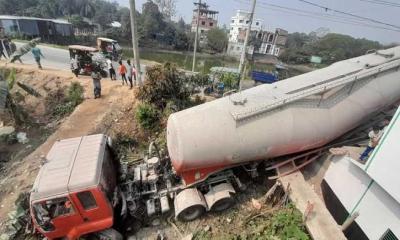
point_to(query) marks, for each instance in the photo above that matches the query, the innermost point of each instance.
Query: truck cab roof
(71, 165)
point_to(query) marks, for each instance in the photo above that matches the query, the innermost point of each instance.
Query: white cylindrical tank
(289, 116)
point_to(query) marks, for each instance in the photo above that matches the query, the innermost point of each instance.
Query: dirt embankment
(19, 174)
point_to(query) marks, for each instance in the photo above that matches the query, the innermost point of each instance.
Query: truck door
(56, 217)
(94, 206)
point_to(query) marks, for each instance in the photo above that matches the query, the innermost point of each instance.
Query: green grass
(184, 60)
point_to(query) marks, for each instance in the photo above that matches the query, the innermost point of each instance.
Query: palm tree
(87, 8)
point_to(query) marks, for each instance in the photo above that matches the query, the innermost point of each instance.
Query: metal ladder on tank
(312, 90)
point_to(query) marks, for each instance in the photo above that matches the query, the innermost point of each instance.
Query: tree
(167, 8)
(86, 7)
(151, 20)
(217, 40)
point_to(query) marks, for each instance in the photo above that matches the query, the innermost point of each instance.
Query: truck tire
(110, 234)
(223, 204)
(191, 213)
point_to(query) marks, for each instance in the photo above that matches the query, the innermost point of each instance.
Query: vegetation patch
(147, 116)
(63, 101)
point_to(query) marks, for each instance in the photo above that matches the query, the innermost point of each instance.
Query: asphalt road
(56, 58)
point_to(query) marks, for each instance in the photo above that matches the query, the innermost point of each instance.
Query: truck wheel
(222, 204)
(110, 234)
(191, 213)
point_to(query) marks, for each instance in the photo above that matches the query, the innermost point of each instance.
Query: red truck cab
(72, 194)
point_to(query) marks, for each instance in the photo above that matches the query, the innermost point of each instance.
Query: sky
(297, 16)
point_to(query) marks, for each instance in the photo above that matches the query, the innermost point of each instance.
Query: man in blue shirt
(37, 54)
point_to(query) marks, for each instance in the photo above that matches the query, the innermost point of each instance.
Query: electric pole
(135, 42)
(196, 36)
(246, 41)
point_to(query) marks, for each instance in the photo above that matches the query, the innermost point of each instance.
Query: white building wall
(378, 210)
(240, 22)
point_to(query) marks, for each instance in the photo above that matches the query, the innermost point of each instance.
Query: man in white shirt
(111, 70)
(374, 137)
(129, 69)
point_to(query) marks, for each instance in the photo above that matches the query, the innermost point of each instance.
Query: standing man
(130, 72)
(2, 50)
(74, 65)
(111, 70)
(96, 76)
(7, 47)
(37, 53)
(122, 71)
(374, 137)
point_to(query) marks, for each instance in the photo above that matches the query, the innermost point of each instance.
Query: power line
(318, 15)
(349, 14)
(384, 3)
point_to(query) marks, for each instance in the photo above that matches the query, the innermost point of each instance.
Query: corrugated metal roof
(83, 48)
(59, 21)
(73, 164)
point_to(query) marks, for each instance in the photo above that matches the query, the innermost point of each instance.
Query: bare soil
(22, 171)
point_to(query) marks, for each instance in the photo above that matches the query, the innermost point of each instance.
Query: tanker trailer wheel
(191, 213)
(223, 204)
(189, 204)
(108, 234)
(219, 197)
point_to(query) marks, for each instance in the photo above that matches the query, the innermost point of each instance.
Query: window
(257, 23)
(233, 21)
(202, 31)
(276, 51)
(211, 24)
(241, 21)
(271, 38)
(232, 48)
(238, 48)
(247, 21)
(231, 28)
(203, 23)
(50, 209)
(87, 200)
(240, 29)
(389, 235)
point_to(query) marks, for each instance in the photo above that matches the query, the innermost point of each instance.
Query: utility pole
(197, 33)
(246, 41)
(135, 42)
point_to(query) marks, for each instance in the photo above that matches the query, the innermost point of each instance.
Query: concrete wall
(359, 193)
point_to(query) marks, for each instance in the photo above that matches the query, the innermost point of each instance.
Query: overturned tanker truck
(80, 190)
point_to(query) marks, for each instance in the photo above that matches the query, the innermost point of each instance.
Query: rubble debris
(29, 89)
(207, 228)
(21, 137)
(188, 237)
(19, 221)
(7, 130)
(339, 151)
(256, 204)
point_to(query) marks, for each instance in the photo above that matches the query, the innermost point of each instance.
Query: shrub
(147, 116)
(75, 93)
(63, 101)
(163, 84)
(230, 80)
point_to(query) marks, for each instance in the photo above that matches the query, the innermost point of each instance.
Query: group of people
(127, 73)
(374, 137)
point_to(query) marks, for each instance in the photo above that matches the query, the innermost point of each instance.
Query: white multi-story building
(270, 42)
(370, 191)
(237, 32)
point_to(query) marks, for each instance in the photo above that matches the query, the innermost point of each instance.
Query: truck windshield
(48, 210)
